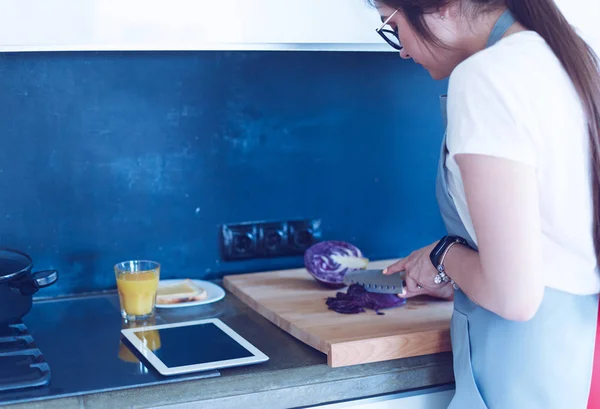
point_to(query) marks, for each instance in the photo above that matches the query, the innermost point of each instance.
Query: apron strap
(594, 398)
(500, 28)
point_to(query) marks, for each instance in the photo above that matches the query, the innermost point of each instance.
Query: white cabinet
(209, 24)
(431, 398)
(189, 25)
(26, 23)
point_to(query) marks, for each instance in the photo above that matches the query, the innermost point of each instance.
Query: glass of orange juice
(137, 283)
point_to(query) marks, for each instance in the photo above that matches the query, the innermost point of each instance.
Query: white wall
(584, 14)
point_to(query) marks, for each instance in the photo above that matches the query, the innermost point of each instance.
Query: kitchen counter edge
(309, 382)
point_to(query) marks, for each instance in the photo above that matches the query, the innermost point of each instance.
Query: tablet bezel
(257, 355)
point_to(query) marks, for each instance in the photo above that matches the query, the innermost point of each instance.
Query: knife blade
(376, 282)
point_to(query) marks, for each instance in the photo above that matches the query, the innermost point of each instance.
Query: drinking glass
(137, 283)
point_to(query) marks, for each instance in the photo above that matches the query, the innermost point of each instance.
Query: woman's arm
(506, 275)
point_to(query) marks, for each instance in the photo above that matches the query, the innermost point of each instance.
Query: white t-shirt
(514, 100)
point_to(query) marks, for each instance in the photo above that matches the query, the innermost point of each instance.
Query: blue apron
(544, 363)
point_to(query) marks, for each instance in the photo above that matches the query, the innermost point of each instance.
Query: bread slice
(186, 291)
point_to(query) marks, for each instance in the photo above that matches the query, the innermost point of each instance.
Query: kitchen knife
(376, 282)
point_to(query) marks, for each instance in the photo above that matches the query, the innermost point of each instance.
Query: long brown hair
(578, 59)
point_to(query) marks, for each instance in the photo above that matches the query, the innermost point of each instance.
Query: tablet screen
(196, 344)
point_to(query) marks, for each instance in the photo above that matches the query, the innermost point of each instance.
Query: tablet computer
(192, 346)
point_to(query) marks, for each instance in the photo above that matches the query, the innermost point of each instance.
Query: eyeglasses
(390, 35)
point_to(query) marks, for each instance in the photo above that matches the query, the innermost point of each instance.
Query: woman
(519, 192)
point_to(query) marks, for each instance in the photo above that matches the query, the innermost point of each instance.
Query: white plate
(215, 293)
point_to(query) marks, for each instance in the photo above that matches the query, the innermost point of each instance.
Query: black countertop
(80, 339)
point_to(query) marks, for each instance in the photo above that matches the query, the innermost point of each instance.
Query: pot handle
(45, 278)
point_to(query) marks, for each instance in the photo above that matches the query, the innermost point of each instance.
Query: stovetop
(73, 347)
(22, 364)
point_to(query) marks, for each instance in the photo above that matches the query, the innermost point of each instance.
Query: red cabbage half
(356, 299)
(329, 261)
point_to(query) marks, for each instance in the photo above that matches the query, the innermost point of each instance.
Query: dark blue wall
(113, 156)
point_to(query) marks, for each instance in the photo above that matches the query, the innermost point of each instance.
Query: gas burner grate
(12, 330)
(22, 364)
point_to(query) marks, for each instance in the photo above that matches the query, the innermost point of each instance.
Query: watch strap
(438, 254)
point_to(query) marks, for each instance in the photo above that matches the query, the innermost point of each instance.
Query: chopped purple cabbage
(356, 299)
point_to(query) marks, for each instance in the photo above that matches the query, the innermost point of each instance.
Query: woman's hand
(420, 274)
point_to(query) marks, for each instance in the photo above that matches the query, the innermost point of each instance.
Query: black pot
(18, 284)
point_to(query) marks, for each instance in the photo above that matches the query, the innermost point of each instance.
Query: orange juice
(137, 292)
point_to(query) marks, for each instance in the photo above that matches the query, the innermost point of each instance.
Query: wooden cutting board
(295, 302)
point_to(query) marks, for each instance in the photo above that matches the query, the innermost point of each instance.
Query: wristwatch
(438, 254)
